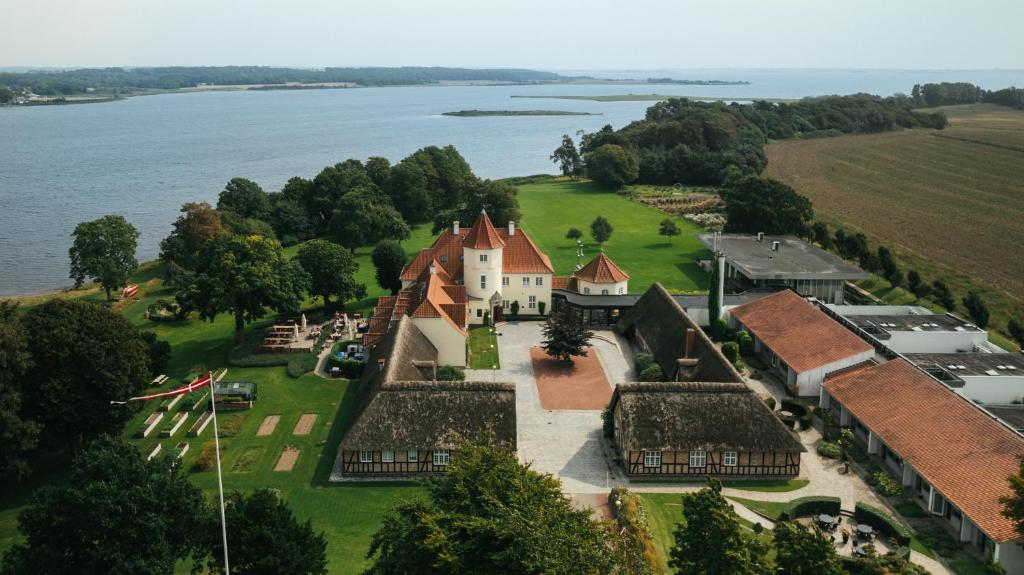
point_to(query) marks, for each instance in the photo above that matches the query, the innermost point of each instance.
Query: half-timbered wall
(401, 465)
(765, 464)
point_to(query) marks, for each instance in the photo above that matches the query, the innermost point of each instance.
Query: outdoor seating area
(344, 327)
(850, 537)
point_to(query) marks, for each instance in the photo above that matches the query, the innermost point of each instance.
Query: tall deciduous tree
(710, 539)
(601, 230)
(264, 538)
(804, 550)
(198, 223)
(669, 229)
(612, 166)
(389, 260)
(568, 158)
(565, 335)
(243, 276)
(245, 198)
(492, 515)
(104, 250)
(332, 271)
(365, 216)
(118, 513)
(17, 434)
(84, 356)
(765, 205)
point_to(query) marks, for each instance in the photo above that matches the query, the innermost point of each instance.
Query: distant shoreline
(481, 113)
(655, 98)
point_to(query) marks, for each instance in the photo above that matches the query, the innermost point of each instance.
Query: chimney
(455, 227)
(433, 269)
(760, 236)
(775, 245)
(380, 364)
(691, 338)
(511, 228)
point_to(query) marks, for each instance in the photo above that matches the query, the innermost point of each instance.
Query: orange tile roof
(799, 333)
(965, 453)
(519, 256)
(560, 282)
(431, 295)
(483, 235)
(601, 270)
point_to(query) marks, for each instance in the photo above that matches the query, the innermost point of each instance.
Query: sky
(545, 34)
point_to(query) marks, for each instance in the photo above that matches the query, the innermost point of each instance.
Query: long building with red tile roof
(802, 342)
(466, 275)
(952, 455)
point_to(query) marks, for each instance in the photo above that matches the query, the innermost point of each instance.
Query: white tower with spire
(482, 263)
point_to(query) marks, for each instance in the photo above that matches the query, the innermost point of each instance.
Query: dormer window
(444, 259)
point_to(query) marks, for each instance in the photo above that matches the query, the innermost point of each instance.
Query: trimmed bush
(652, 373)
(805, 506)
(450, 373)
(301, 364)
(642, 361)
(770, 402)
(608, 422)
(731, 351)
(885, 484)
(744, 340)
(882, 522)
(829, 450)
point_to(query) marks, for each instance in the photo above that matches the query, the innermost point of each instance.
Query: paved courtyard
(565, 386)
(565, 443)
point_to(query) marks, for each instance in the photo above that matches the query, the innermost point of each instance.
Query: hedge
(829, 450)
(349, 368)
(301, 364)
(244, 357)
(814, 505)
(640, 552)
(881, 521)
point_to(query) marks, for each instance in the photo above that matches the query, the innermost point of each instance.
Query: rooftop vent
(775, 245)
(760, 236)
(455, 227)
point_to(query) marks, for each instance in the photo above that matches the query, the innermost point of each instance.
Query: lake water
(145, 156)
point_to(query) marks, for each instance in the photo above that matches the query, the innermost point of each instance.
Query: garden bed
(200, 424)
(150, 424)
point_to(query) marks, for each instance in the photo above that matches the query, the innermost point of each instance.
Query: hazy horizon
(571, 35)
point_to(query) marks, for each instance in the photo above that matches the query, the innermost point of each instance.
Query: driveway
(567, 444)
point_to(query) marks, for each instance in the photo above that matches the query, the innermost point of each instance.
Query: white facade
(449, 341)
(991, 388)
(481, 272)
(935, 341)
(529, 290)
(589, 288)
(807, 383)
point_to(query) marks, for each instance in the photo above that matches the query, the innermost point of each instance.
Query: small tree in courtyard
(669, 229)
(565, 335)
(573, 234)
(804, 550)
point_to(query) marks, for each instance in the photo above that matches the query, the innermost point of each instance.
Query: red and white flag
(199, 383)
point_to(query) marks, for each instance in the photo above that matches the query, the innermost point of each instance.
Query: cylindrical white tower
(482, 254)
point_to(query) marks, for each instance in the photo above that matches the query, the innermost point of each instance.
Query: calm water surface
(144, 157)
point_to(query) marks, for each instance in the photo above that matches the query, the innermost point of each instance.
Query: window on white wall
(698, 458)
(652, 459)
(504, 304)
(412, 455)
(586, 291)
(504, 281)
(365, 457)
(526, 282)
(387, 456)
(539, 280)
(483, 282)
(479, 312)
(730, 458)
(533, 302)
(604, 292)
(441, 457)
(622, 290)
(483, 257)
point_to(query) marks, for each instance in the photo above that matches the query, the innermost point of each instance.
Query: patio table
(865, 529)
(826, 520)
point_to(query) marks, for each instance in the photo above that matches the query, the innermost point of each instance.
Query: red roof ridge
(601, 270)
(483, 236)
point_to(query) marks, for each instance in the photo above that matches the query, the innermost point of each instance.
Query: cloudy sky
(551, 34)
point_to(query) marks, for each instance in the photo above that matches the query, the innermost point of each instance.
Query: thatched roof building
(677, 416)
(658, 324)
(437, 414)
(401, 410)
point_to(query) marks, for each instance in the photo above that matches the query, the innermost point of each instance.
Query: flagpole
(220, 480)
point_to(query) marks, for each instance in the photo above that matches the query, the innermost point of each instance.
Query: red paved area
(579, 385)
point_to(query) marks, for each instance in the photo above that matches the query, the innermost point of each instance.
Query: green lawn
(551, 208)
(770, 509)
(768, 485)
(483, 348)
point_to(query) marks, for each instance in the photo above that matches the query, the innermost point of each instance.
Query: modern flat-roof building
(915, 329)
(954, 457)
(801, 342)
(986, 378)
(758, 260)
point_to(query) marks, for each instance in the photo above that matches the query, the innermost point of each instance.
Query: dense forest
(954, 93)
(68, 82)
(702, 143)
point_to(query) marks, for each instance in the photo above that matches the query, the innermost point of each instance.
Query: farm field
(551, 208)
(949, 203)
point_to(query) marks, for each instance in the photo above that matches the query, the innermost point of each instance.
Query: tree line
(712, 143)
(68, 82)
(956, 93)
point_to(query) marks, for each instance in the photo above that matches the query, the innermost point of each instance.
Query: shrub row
(301, 364)
(631, 518)
(243, 356)
(881, 521)
(829, 450)
(804, 506)
(884, 483)
(349, 368)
